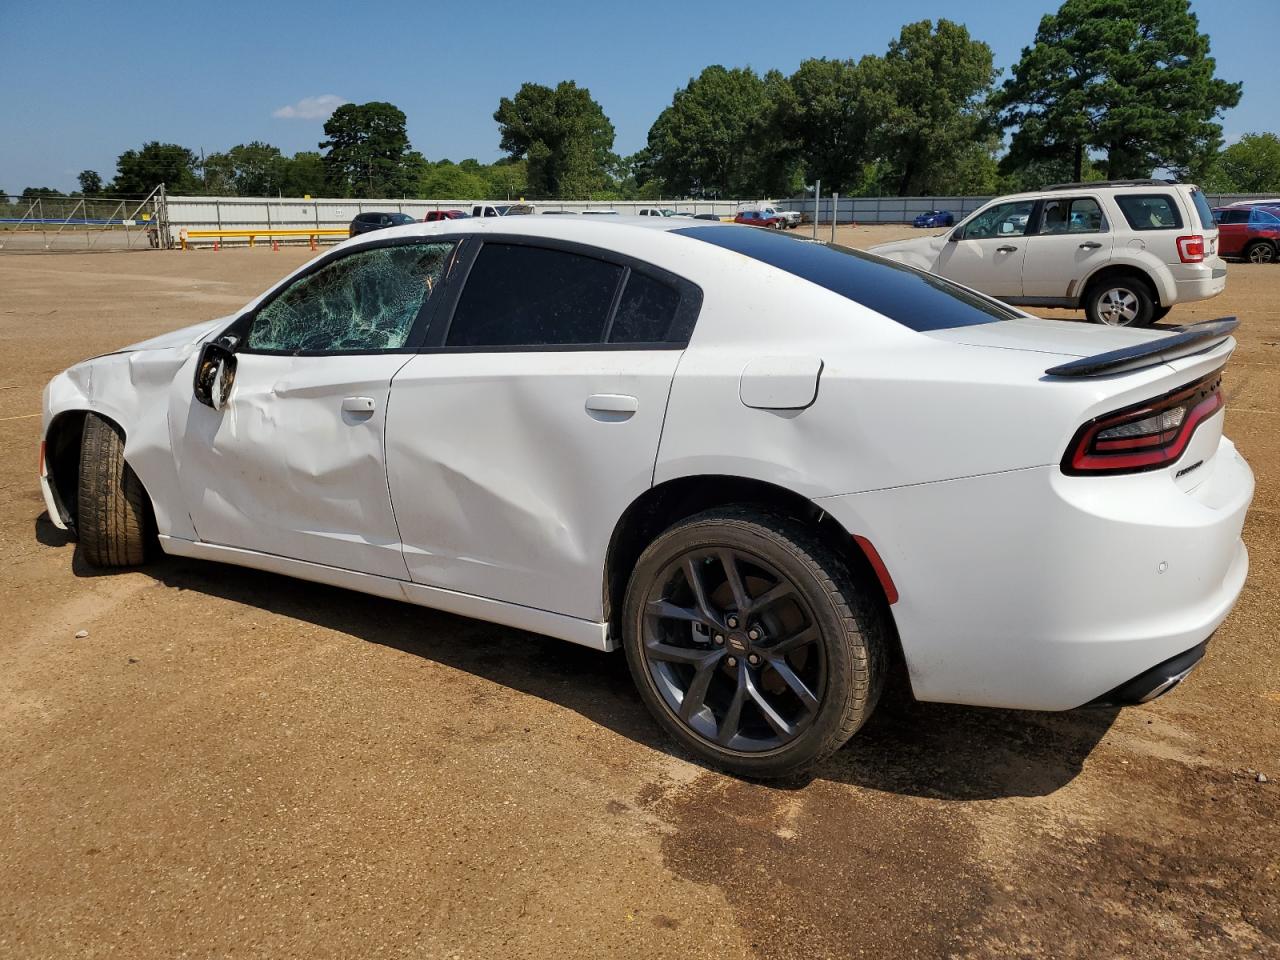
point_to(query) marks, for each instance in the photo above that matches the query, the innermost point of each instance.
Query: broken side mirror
(215, 373)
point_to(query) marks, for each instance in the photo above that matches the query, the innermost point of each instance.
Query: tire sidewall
(1137, 286)
(841, 647)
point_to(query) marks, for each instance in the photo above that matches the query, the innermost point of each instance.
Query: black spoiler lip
(1176, 345)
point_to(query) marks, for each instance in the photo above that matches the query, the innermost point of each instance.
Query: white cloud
(311, 108)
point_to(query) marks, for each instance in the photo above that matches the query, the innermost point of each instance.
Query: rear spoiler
(1181, 341)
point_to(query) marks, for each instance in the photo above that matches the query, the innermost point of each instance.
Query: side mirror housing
(215, 374)
(955, 235)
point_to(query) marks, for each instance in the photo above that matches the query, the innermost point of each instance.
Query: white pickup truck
(790, 218)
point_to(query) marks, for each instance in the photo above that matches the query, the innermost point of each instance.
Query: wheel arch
(1164, 296)
(673, 500)
(62, 443)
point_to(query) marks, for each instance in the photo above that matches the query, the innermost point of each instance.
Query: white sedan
(770, 470)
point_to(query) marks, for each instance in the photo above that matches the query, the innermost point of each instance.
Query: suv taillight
(1191, 249)
(1145, 436)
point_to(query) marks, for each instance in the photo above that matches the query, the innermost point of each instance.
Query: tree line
(1107, 89)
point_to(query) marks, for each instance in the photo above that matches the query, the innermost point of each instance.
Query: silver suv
(1124, 251)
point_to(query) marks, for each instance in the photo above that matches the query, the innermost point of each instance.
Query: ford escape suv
(1124, 251)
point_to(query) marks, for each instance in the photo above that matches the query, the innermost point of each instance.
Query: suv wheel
(1260, 252)
(1123, 301)
(750, 643)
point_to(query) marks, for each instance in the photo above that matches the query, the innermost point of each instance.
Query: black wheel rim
(734, 650)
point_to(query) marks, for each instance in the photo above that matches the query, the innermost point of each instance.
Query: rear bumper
(1200, 281)
(1155, 682)
(1031, 589)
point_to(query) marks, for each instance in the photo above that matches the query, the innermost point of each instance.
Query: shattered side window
(366, 301)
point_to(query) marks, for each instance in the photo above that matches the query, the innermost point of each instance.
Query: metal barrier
(312, 234)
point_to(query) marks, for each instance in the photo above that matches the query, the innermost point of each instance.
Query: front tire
(114, 514)
(1123, 301)
(750, 642)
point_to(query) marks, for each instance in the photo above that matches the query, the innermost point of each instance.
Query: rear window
(918, 300)
(1151, 211)
(1203, 210)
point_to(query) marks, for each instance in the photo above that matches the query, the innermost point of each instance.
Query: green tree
(217, 175)
(303, 175)
(90, 182)
(30, 193)
(1251, 165)
(368, 151)
(138, 172)
(935, 82)
(825, 117)
(562, 134)
(446, 180)
(702, 144)
(1132, 79)
(258, 169)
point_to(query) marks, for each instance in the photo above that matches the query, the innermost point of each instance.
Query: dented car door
(519, 438)
(291, 462)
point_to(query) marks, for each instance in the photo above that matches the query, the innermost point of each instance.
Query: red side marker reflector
(877, 564)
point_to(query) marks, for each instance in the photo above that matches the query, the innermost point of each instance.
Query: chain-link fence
(55, 223)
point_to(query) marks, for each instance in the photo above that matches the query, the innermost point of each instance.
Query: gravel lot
(237, 764)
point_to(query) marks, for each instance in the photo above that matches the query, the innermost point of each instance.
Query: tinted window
(1202, 209)
(1149, 211)
(1232, 216)
(1001, 220)
(914, 299)
(401, 218)
(646, 312)
(532, 296)
(365, 301)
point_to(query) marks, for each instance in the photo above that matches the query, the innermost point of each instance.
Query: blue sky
(83, 81)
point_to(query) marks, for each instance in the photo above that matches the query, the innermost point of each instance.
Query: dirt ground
(237, 764)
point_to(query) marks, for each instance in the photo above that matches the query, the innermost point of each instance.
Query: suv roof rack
(1111, 183)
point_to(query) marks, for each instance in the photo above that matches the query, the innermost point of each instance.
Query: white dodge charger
(769, 469)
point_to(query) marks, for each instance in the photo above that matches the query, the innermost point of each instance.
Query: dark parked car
(434, 215)
(935, 218)
(364, 222)
(1249, 233)
(707, 216)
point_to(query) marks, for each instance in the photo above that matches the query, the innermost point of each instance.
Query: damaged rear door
(531, 420)
(291, 463)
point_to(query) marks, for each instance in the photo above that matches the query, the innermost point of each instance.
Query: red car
(754, 218)
(434, 215)
(1249, 233)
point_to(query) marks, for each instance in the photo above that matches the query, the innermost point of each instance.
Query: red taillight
(1191, 249)
(1145, 436)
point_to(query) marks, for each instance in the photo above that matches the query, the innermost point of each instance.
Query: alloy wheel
(1118, 306)
(1262, 253)
(734, 650)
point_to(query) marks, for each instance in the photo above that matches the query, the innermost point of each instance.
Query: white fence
(240, 213)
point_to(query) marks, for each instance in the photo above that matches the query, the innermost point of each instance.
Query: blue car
(935, 218)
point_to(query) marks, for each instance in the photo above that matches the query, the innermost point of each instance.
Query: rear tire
(1260, 251)
(1121, 301)
(114, 521)
(796, 645)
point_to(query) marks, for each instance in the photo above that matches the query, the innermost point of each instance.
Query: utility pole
(817, 192)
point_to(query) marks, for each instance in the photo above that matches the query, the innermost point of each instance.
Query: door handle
(1090, 245)
(611, 406)
(1006, 248)
(358, 404)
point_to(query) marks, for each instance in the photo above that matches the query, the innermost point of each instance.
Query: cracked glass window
(366, 301)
